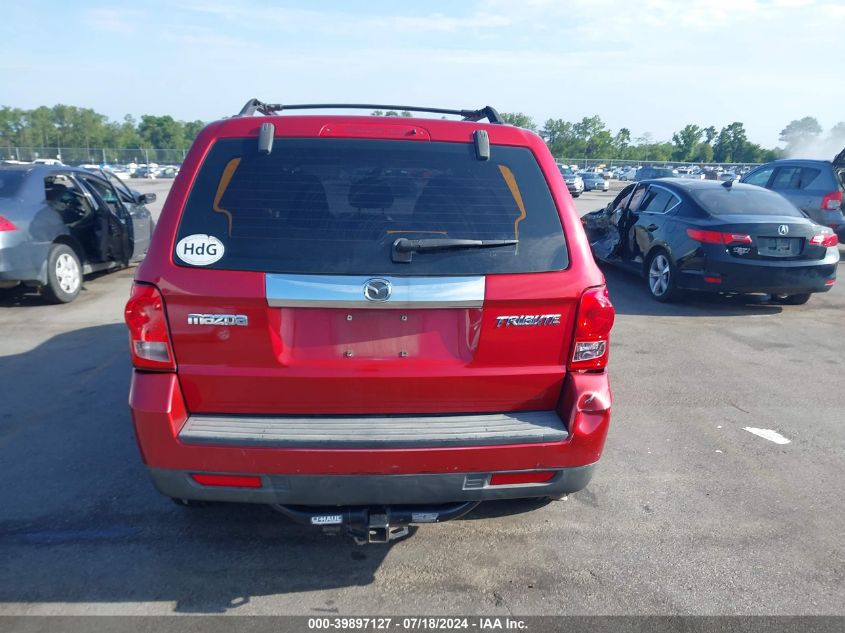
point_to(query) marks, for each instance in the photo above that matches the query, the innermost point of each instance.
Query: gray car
(58, 223)
(817, 187)
(594, 181)
(573, 181)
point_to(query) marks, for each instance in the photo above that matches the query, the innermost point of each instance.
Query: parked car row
(584, 180)
(694, 172)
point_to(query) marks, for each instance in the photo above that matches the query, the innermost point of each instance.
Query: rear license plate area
(779, 246)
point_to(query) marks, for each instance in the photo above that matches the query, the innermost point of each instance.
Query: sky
(649, 65)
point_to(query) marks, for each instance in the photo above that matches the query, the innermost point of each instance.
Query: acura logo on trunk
(377, 290)
(783, 229)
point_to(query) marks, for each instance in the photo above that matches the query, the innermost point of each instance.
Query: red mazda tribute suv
(369, 321)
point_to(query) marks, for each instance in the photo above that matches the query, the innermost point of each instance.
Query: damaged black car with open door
(59, 223)
(710, 236)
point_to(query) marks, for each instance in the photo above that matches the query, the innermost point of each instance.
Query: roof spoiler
(254, 105)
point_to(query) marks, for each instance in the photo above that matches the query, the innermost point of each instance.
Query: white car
(690, 172)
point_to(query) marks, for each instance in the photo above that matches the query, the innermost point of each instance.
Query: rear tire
(661, 276)
(793, 300)
(64, 274)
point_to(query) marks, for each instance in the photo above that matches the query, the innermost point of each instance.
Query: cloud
(645, 64)
(111, 20)
(262, 17)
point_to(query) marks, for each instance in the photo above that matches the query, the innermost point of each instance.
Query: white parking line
(767, 434)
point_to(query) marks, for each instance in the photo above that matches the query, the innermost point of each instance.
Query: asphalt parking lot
(688, 513)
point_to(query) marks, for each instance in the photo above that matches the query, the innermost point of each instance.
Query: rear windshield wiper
(403, 248)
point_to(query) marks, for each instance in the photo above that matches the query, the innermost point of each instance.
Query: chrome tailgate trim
(400, 431)
(347, 291)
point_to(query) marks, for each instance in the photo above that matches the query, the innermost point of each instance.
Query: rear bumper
(357, 490)
(787, 277)
(307, 474)
(18, 262)
(374, 432)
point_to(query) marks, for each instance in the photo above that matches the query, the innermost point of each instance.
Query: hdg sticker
(199, 249)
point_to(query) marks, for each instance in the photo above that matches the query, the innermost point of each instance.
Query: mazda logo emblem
(377, 290)
(783, 229)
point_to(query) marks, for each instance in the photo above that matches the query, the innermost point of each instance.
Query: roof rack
(254, 105)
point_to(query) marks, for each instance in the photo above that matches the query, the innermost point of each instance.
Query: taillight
(832, 201)
(592, 329)
(825, 239)
(718, 237)
(149, 340)
(7, 225)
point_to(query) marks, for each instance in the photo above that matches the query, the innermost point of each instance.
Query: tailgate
(285, 297)
(470, 344)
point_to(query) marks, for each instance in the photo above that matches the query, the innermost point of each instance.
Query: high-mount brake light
(718, 237)
(832, 201)
(149, 340)
(592, 330)
(824, 239)
(7, 225)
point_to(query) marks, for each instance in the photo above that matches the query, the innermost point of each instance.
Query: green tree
(192, 128)
(710, 134)
(644, 144)
(161, 132)
(519, 120)
(622, 141)
(686, 143)
(62, 121)
(560, 137)
(661, 151)
(596, 138)
(732, 145)
(40, 122)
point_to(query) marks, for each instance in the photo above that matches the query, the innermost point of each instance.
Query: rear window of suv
(335, 206)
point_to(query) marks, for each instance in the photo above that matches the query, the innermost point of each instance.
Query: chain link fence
(94, 155)
(616, 163)
(112, 156)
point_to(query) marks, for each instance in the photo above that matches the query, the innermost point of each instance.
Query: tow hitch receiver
(374, 524)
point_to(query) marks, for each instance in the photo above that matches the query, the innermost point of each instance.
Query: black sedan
(714, 236)
(58, 223)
